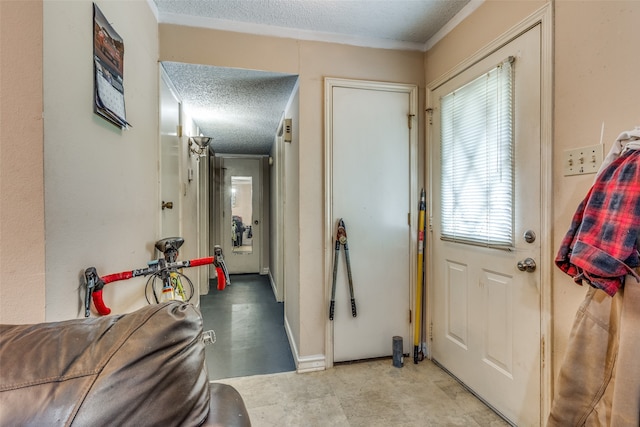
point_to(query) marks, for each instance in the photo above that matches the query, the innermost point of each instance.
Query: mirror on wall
(241, 214)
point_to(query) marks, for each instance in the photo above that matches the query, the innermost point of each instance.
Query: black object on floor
(249, 327)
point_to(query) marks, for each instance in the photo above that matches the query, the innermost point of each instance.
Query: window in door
(477, 155)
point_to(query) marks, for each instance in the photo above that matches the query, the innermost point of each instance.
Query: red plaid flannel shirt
(600, 246)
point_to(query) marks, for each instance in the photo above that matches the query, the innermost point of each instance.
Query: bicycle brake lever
(94, 283)
(90, 276)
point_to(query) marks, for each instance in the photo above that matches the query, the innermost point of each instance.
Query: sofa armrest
(141, 368)
(226, 407)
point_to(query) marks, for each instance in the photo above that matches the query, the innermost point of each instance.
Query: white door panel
(371, 191)
(486, 313)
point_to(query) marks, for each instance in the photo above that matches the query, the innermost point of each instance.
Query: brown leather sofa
(145, 368)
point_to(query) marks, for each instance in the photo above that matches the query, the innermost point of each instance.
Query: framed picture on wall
(108, 60)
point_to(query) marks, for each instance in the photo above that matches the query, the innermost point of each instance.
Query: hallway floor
(249, 327)
(372, 393)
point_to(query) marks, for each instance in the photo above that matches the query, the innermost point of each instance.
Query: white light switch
(584, 160)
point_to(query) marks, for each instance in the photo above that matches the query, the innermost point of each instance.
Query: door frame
(542, 17)
(259, 209)
(329, 226)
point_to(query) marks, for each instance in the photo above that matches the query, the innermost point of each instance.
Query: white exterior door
(486, 313)
(169, 162)
(370, 186)
(242, 217)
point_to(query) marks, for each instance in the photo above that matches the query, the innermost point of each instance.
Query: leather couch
(142, 368)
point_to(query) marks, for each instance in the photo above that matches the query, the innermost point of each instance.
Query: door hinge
(410, 315)
(410, 120)
(431, 331)
(430, 115)
(179, 130)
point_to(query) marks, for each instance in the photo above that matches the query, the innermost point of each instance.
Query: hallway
(249, 327)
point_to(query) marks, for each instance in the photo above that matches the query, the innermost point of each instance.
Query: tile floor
(252, 354)
(372, 393)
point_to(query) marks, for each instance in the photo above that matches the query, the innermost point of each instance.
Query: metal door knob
(528, 265)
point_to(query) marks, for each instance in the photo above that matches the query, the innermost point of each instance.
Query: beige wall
(312, 61)
(101, 183)
(22, 255)
(595, 72)
(596, 81)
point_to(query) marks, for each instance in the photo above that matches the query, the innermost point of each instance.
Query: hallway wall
(101, 183)
(291, 233)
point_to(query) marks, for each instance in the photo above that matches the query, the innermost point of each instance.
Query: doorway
(241, 219)
(240, 110)
(486, 287)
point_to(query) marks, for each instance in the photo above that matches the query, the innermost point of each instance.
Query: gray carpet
(249, 327)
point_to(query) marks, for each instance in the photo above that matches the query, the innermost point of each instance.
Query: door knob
(528, 265)
(168, 205)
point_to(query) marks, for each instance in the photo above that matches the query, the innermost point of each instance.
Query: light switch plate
(584, 160)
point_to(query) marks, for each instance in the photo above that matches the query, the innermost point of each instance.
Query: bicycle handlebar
(95, 283)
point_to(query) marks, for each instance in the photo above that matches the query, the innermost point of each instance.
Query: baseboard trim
(273, 285)
(316, 362)
(312, 363)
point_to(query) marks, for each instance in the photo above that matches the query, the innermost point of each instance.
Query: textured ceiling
(241, 109)
(412, 21)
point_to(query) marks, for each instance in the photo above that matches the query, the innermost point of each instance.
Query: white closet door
(371, 192)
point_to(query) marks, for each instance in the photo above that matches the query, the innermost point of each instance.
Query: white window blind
(477, 160)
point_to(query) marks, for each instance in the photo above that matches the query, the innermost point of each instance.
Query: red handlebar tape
(101, 307)
(222, 280)
(201, 261)
(98, 302)
(117, 276)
